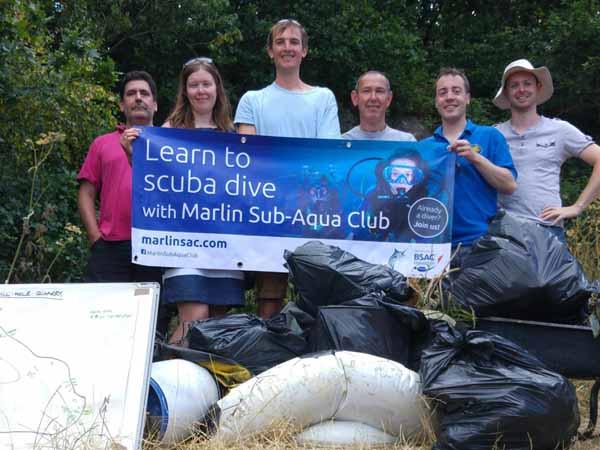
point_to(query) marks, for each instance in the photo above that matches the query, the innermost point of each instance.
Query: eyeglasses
(200, 59)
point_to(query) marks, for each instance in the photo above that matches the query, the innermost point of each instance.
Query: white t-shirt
(275, 111)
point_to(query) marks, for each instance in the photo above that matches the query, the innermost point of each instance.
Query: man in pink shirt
(106, 173)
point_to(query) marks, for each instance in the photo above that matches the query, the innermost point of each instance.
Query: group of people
(488, 160)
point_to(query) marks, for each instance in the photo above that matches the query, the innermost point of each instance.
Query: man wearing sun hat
(539, 146)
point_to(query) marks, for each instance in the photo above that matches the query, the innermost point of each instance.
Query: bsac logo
(424, 262)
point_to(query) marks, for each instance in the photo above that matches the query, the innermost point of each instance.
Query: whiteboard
(75, 364)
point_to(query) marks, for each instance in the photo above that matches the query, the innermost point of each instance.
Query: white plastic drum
(180, 394)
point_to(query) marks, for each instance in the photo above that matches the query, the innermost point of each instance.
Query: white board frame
(75, 364)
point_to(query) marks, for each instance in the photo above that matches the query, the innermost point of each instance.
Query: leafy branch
(47, 143)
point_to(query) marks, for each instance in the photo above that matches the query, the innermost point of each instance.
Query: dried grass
(583, 235)
(282, 438)
(583, 395)
(275, 440)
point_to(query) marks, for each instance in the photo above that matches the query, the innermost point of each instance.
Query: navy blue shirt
(475, 201)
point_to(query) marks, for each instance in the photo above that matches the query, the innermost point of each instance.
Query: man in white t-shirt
(372, 96)
(288, 107)
(539, 146)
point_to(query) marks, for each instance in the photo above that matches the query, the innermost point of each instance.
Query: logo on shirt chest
(546, 144)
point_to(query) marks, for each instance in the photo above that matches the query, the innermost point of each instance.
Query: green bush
(54, 97)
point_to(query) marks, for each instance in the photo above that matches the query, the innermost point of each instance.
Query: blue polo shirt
(475, 201)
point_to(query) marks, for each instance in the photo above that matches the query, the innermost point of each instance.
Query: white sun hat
(522, 65)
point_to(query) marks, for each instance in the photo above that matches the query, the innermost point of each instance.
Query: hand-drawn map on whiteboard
(74, 364)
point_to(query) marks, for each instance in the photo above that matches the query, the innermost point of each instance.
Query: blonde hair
(182, 115)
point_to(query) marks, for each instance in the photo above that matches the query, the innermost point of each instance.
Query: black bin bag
(252, 342)
(327, 275)
(371, 324)
(520, 270)
(493, 394)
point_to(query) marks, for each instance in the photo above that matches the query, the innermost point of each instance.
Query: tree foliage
(54, 96)
(157, 36)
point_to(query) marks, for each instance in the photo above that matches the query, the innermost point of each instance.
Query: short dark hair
(281, 26)
(137, 75)
(454, 72)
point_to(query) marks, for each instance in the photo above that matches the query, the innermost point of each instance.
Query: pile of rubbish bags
(491, 393)
(326, 275)
(484, 389)
(254, 343)
(521, 270)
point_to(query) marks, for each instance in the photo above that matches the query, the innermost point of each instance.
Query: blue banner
(226, 201)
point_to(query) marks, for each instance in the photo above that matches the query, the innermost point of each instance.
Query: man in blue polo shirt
(484, 166)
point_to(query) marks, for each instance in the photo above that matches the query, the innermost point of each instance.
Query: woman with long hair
(201, 100)
(201, 103)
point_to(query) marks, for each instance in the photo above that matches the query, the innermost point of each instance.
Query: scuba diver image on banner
(400, 180)
(319, 196)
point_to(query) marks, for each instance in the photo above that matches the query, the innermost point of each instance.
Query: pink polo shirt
(107, 168)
